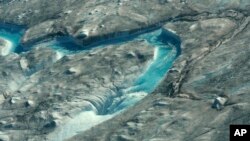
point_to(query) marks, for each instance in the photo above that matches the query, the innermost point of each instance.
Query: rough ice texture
(214, 61)
(6, 47)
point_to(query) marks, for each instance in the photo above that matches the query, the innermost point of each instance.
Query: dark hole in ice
(51, 124)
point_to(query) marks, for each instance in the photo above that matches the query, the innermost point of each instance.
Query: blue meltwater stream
(166, 50)
(10, 36)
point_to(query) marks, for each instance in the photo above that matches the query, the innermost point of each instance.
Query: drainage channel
(166, 49)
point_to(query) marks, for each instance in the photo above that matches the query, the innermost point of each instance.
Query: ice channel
(167, 49)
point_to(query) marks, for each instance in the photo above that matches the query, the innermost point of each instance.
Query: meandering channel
(166, 49)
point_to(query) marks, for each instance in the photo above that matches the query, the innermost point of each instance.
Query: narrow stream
(166, 50)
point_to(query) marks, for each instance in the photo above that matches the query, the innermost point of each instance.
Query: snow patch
(59, 55)
(24, 63)
(6, 47)
(193, 27)
(79, 123)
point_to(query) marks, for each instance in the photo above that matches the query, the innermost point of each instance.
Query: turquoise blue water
(165, 54)
(166, 46)
(166, 49)
(12, 33)
(65, 45)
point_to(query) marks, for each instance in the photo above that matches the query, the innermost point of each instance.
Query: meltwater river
(166, 49)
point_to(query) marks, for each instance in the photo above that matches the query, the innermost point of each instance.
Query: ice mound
(5, 46)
